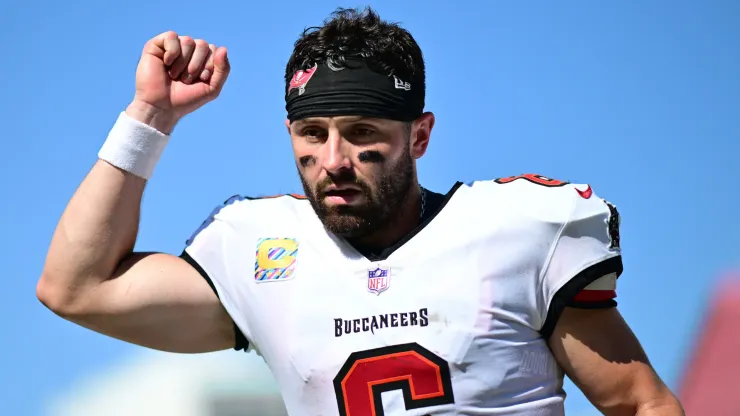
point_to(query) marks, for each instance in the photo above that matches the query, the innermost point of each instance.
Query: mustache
(341, 179)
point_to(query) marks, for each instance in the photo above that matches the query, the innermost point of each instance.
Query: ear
(421, 131)
(287, 125)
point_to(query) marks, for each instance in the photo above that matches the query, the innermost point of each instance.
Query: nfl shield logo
(378, 279)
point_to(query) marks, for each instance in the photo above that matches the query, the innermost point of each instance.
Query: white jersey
(453, 320)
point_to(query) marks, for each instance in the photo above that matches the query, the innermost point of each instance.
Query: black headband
(352, 90)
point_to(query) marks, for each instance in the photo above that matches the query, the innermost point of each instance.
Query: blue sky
(638, 99)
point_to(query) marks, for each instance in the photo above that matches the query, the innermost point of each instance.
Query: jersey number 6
(422, 376)
(534, 178)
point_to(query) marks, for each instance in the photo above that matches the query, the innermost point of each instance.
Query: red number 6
(534, 178)
(423, 377)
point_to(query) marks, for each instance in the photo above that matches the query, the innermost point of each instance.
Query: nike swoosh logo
(585, 194)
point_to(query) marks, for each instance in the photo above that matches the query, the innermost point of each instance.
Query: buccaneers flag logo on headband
(300, 79)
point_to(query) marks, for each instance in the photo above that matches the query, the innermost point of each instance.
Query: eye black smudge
(371, 156)
(307, 161)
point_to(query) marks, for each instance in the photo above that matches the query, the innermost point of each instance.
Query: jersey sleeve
(585, 259)
(211, 250)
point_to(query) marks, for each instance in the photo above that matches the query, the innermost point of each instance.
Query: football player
(371, 295)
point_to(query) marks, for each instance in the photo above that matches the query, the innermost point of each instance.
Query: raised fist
(175, 76)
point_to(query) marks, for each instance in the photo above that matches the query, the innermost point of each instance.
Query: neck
(402, 224)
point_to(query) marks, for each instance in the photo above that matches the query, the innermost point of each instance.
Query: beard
(378, 209)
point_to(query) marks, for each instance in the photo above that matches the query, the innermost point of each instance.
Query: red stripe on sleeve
(595, 295)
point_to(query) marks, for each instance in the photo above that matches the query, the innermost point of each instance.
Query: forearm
(96, 231)
(635, 402)
(668, 405)
(642, 394)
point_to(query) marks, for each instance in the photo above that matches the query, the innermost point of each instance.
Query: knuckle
(186, 40)
(170, 34)
(201, 43)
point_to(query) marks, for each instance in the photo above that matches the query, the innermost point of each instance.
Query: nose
(335, 153)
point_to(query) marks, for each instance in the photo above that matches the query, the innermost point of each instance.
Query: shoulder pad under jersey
(240, 207)
(559, 201)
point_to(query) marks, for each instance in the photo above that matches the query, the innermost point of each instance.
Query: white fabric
(472, 288)
(133, 146)
(608, 282)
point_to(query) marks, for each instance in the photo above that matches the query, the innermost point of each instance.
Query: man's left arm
(585, 331)
(601, 355)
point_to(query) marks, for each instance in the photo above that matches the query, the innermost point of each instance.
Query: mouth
(342, 196)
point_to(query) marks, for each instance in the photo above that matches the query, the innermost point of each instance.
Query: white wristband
(133, 146)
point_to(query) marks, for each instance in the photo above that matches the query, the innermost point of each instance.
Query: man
(371, 295)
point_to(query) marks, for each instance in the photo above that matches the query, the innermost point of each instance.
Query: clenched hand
(176, 75)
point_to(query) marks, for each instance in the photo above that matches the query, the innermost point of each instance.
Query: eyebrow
(304, 121)
(345, 119)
